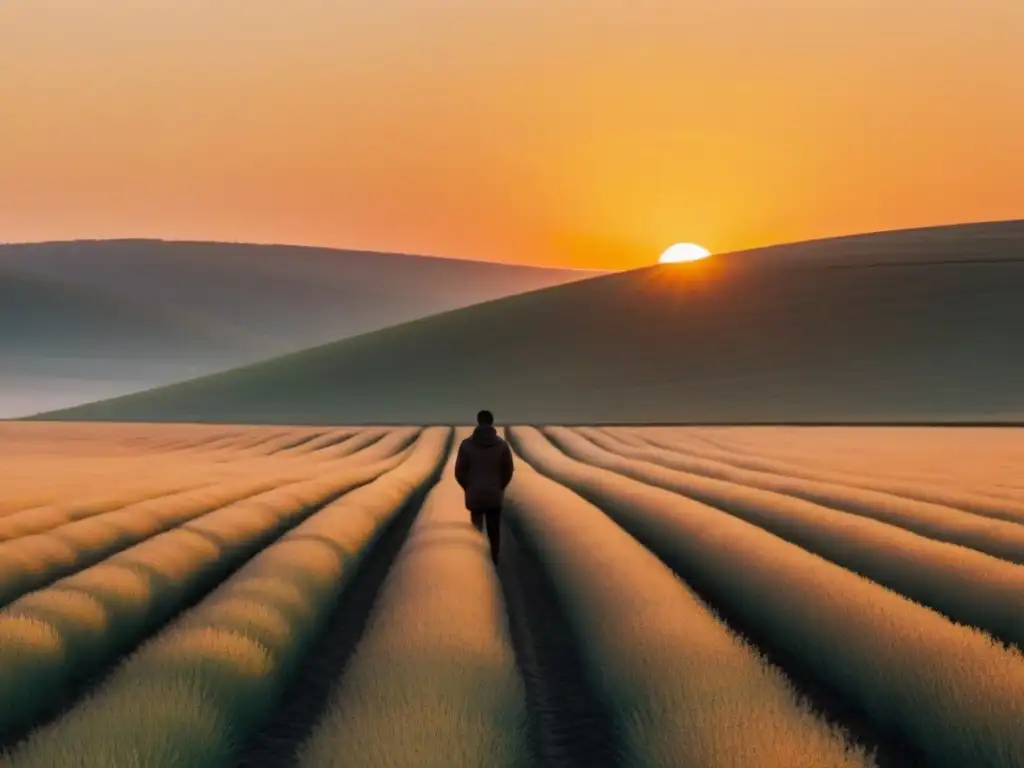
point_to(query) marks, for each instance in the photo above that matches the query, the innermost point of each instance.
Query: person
(484, 468)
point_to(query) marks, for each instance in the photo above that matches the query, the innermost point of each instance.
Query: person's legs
(494, 531)
(476, 517)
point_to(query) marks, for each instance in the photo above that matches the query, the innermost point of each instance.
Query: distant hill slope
(276, 298)
(910, 326)
(92, 319)
(63, 344)
(46, 318)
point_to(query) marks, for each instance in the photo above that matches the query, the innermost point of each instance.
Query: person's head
(485, 419)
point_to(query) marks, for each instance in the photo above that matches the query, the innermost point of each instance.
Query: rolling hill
(87, 320)
(920, 326)
(274, 298)
(63, 343)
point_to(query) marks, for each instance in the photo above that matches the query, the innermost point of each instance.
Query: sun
(683, 252)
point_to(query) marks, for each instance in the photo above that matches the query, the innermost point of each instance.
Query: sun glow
(683, 252)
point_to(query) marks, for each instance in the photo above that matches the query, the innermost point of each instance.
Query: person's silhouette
(483, 467)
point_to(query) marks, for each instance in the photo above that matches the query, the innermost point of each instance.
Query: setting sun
(683, 252)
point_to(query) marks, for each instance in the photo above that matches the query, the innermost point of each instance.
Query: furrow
(950, 691)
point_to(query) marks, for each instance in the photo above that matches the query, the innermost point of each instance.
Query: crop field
(196, 596)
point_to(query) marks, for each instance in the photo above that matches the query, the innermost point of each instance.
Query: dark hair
(485, 418)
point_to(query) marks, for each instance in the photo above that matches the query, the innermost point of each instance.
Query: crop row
(35, 480)
(680, 688)
(704, 480)
(979, 458)
(987, 520)
(433, 680)
(979, 502)
(161, 491)
(57, 636)
(32, 561)
(968, 586)
(51, 478)
(951, 690)
(190, 695)
(610, 517)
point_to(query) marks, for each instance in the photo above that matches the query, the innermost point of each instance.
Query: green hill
(908, 326)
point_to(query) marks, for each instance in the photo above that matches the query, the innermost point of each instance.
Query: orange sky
(590, 133)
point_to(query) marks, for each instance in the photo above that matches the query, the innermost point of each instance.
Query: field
(716, 597)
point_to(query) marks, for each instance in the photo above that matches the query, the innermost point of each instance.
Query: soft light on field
(890, 557)
(683, 252)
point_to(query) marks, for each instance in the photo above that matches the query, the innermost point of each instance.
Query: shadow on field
(304, 701)
(569, 726)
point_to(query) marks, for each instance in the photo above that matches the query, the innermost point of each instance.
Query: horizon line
(476, 260)
(307, 246)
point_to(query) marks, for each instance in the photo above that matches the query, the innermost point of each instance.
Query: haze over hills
(87, 320)
(909, 326)
(61, 338)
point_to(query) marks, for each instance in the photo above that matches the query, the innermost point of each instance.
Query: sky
(583, 133)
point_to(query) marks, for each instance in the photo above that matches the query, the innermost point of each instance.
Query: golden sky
(585, 133)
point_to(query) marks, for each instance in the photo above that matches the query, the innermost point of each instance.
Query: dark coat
(484, 469)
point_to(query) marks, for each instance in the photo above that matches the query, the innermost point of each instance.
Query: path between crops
(277, 743)
(569, 726)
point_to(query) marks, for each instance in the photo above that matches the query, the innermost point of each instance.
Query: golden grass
(968, 586)
(950, 689)
(192, 693)
(205, 485)
(30, 562)
(159, 439)
(961, 457)
(333, 437)
(986, 501)
(281, 443)
(234, 445)
(44, 474)
(54, 464)
(681, 688)
(88, 438)
(998, 538)
(199, 687)
(141, 586)
(434, 680)
(60, 477)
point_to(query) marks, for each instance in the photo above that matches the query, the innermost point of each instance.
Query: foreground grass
(968, 586)
(44, 481)
(328, 439)
(951, 690)
(60, 483)
(31, 562)
(434, 680)
(989, 503)
(959, 458)
(680, 687)
(998, 538)
(206, 682)
(55, 637)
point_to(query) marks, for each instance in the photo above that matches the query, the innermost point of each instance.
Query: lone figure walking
(484, 469)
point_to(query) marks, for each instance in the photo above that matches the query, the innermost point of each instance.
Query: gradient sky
(591, 133)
